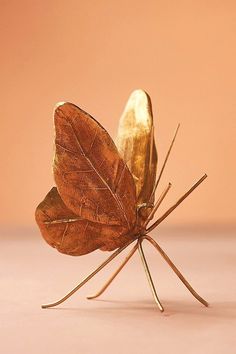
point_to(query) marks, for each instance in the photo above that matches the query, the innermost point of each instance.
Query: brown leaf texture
(136, 144)
(91, 177)
(72, 235)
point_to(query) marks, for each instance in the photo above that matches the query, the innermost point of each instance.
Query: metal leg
(169, 211)
(101, 291)
(146, 268)
(148, 274)
(165, 162)
(157, 204)
(177, 272)
(91, 275)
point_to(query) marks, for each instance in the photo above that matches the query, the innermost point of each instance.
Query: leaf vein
(121, 207)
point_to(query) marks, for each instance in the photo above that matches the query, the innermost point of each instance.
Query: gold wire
(91, 275)
(144, 262)
(164, 164)
(105, 286)
(175, 269)
(156, 223)
(158, 203)
(148, 274)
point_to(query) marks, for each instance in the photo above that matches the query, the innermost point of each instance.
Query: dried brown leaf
(70, 234)
(92, 178)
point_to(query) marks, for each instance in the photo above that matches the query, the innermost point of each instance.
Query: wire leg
(165, 162)
(91, 275)
(175, 269)
(148, 274)
(169, 211)
(105, 286)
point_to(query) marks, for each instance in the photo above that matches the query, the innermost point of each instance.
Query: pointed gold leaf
(136, 144)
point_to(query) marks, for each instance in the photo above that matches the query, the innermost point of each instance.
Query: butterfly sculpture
(105, 192)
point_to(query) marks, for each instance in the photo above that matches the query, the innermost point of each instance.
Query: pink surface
(125, 319)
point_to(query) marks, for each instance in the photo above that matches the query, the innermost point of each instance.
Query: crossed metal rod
(138, 245)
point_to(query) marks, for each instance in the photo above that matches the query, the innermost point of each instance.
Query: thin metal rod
(165, 161)
(156, 223)
(105, 286)
(148, 274)
(175, 269)
(91, 275)
(151, 148)
(158, 203)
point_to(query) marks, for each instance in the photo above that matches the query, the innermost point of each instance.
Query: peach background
(94, 53)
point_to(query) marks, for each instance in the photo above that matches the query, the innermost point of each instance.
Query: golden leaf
(136, 144)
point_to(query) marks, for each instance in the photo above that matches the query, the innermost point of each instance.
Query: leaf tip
(59, 104)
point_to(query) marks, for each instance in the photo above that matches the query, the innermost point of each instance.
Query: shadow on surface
(220, 310)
